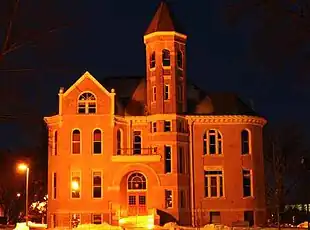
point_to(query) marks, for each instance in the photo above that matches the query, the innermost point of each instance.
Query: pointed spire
(163, 20)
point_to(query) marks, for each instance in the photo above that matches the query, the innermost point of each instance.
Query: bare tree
(284, 147)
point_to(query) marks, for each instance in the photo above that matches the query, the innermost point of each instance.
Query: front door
(137, 203)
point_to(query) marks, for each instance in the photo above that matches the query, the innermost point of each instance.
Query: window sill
(248, 197)
(215, 198)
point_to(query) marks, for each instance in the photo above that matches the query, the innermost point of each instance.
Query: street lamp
(23, 167)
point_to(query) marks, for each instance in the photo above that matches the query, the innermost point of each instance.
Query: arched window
(97, 141)
(119, 142)
(166, 57)
(212, 142)
(137, 142)
(245, 142)
(180, 59)
(136, 181)
(153, 60)
(76, 142)
(55, 143)
(87, 103)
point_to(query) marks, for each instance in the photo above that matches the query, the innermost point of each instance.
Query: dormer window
(180, 59)
(87, 103)
(166, 57)
(152, 60)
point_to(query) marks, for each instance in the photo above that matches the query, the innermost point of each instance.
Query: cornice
(227, 119)
(53, 120)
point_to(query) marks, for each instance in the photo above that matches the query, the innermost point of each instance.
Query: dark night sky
(106, 38)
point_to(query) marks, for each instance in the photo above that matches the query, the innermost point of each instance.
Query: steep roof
(163, 20)
(131, 98)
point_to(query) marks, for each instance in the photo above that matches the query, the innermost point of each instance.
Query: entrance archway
(136, 194)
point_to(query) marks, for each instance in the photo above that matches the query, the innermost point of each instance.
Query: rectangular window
(154, 127)
(97, 142)
(213, 183)
(154, 94)
(137, 143)
(54, 181)
(247, 190)
(53, 221)
(167, 126)
(97, 184)
(180, 126)
(167, 159)
(166, 93)
(249, 217)
(168, 198)
(181, 161)
(215, 217)
(96, 219)
(92, 107)
(179, 93)
(82, 108)
(55, 142)
(182, 199)
(76, 184)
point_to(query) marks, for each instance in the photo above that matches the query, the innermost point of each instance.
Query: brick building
(156, 148)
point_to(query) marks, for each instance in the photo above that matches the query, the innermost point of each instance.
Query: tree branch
(9, 29)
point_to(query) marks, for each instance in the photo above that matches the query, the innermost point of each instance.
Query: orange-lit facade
(154, 146)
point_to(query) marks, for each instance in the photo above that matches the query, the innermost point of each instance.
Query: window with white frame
(154, 127)
(54, 181)
(167, 126)
(166, 57)
(137, 143)
(245, 142)
(247, 183)
(97, 141)
(87, 103)
(152, 60)
(97, 184)
(55, 144)
(154, 94)
(213, 183)
(76, 141)
(168, 160)
(75, 184)
(119, 141)
(212, 142)
(166, 92)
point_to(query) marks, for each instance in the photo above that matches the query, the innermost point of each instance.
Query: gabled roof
(163, 20)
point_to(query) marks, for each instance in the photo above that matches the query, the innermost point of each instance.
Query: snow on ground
(22, 226)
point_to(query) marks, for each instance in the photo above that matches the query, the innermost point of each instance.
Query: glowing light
(22, 167)
(18, 194)
(150, 226)
(75, 185)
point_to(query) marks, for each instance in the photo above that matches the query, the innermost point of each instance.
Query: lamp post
(23, 167)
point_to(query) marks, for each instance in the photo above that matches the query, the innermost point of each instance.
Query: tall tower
(165, 63)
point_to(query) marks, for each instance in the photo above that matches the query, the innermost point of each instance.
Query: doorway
(136, 194)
